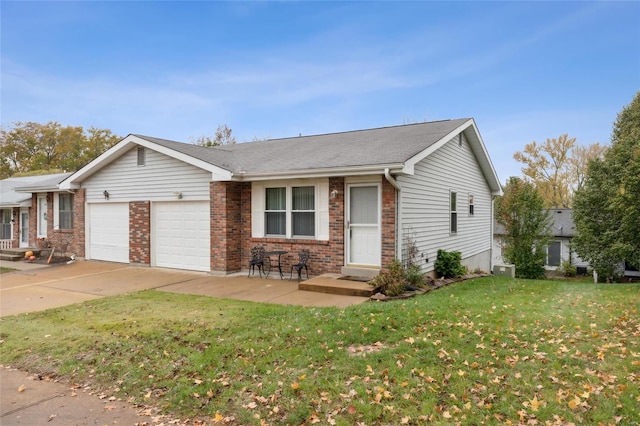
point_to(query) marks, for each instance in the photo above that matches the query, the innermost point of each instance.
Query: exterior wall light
(106, 194)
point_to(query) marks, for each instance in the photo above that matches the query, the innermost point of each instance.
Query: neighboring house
(559, 249)
(352, 199)
(27, 216)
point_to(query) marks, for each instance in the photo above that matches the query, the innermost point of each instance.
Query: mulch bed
(431, 285)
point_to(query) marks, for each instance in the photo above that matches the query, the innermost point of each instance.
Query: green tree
(527, 227)
(31, 146)
(556, 167)
(606, 209)
(223, 136)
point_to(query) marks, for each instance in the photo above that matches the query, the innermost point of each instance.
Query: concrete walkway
(27, 399)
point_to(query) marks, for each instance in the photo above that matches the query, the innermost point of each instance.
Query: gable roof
(396, 148)
(562, 224)
(16, 191)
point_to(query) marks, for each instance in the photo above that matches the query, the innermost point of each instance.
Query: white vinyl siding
(320, 210)
(425, 203)
(160, 179)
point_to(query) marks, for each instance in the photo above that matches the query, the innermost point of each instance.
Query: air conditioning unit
(504, 271)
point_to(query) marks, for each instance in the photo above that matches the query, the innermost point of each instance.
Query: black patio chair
(259, 259)
(303, 258)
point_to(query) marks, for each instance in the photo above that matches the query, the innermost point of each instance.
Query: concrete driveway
(36, 288)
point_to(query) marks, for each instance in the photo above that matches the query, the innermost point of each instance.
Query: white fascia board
(318, 173)
(480, 150)
(477, 146)
(217, 173)
(410, 163)
(119, 149)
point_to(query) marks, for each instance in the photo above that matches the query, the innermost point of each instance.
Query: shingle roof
(562, 224)
(372, 147)
(9, 195)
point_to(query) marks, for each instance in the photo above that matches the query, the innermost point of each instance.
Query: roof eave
(320, 173)
(119, 149)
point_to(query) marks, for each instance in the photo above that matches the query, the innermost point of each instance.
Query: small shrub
(448, 264)
(568, 270)
(392, 281)
(414, 276)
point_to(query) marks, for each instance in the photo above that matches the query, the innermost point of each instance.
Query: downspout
(493, 202)
(396, 185)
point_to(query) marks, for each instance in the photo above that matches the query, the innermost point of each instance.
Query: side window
(471, 205)
(453, 209)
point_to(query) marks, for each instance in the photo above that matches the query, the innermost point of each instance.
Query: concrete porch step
(336, 284)
(16, 254)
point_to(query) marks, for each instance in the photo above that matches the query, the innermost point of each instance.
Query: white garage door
(180, 235)
(109, 232)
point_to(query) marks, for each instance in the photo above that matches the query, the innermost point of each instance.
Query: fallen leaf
(22, 388)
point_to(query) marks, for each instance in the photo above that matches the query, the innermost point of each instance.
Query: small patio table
(279, 253)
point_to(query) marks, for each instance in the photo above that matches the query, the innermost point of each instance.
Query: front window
(453, 227)
(303, 211)
(65, 211)
(276, 211)
(299, 214)
(5, 225)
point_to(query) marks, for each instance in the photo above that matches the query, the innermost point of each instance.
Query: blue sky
(176, 70)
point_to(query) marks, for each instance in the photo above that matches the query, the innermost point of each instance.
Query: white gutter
(396, 185)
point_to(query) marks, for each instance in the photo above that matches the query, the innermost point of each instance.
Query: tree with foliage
(527, 227)
(31, 146)
(556, 167)
(607, 208)
(223, 136)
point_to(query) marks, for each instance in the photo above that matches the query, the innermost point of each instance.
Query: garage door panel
(109, 232)
(181, 236)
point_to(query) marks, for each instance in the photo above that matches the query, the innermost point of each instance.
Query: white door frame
(24, 225)
(41, 208)
(377, 254)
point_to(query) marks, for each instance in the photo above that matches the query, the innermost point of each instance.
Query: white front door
(24, 227)
(363, 225)
(42, 216)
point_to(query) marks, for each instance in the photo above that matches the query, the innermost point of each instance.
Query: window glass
(363, 203)
(553, 253)
(275, 211)
(303, 211)
(65, 211)
(454, 214)
(141, 156)
(5, 226)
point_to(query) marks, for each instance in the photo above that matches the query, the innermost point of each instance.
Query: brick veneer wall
(226, 225)
(79, 212)
(326, 256)
(388, 223)
(15, 227)
(72, 239)
(140, 232)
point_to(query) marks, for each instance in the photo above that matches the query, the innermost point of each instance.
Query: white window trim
(321, 201)
(472, 203)
(288, 212)
(56, 211)
(451, 212)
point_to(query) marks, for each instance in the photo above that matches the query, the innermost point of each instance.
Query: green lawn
(485, 351)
